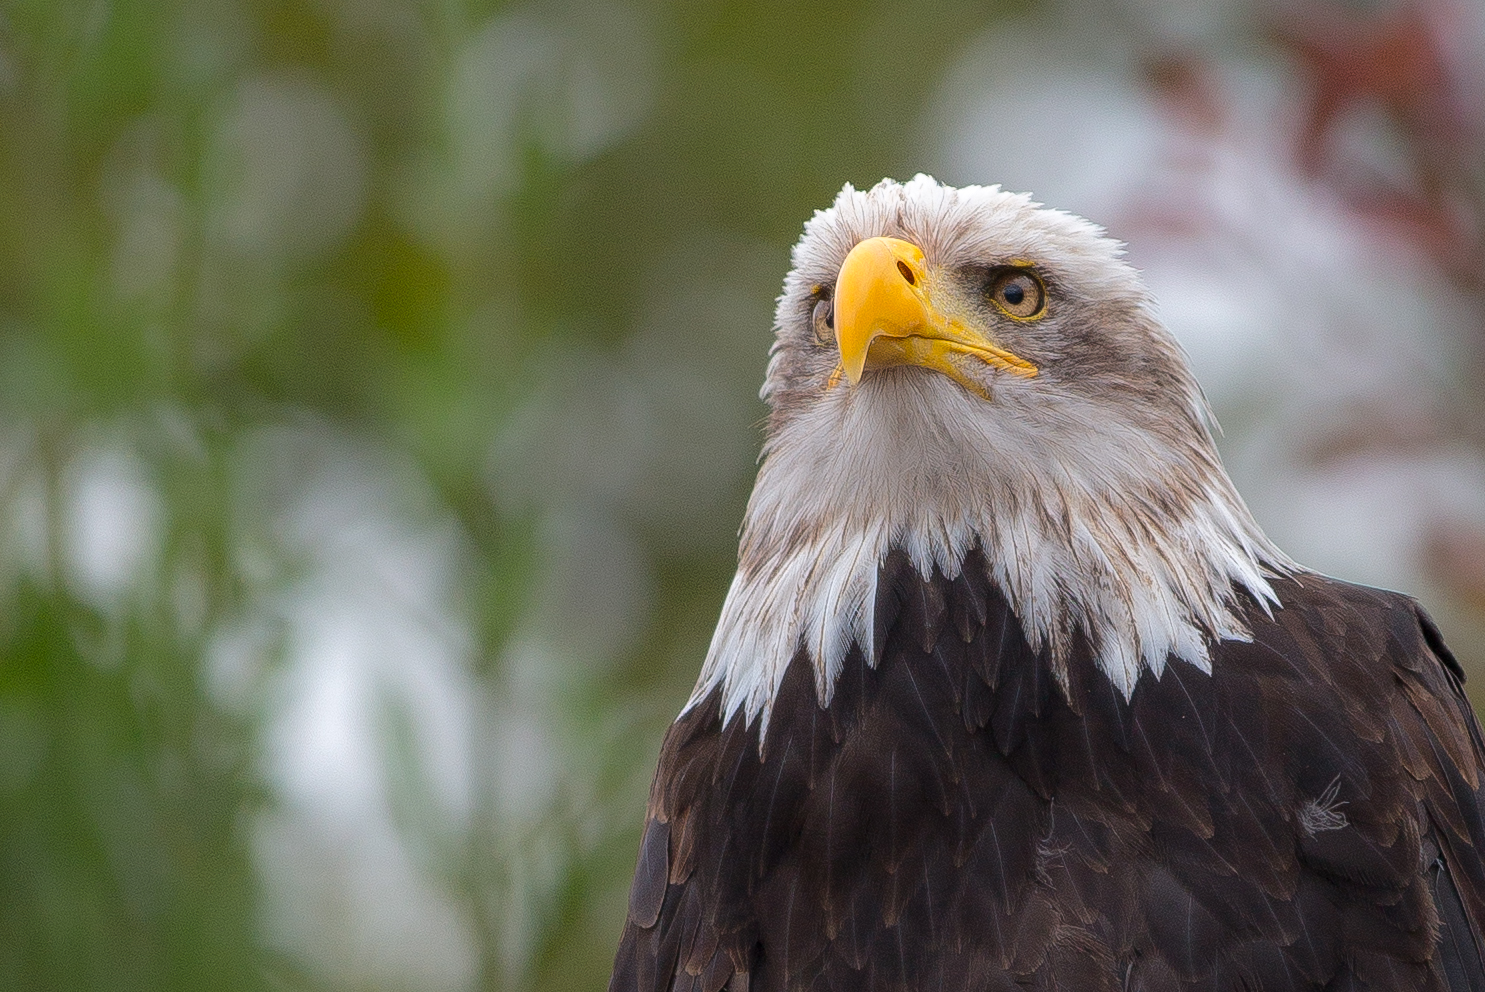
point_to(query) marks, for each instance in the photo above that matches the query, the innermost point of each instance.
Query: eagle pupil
(1014, 294)
(824, 320)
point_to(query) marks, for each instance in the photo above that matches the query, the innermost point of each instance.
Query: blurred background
(378, 403)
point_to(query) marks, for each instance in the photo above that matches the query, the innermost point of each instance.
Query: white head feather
(1093, 488)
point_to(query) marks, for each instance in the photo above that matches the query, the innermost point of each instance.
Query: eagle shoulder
(1380, 719)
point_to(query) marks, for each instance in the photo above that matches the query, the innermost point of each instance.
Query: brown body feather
(1305, 817)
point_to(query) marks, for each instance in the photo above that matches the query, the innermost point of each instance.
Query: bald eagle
(1011, 691)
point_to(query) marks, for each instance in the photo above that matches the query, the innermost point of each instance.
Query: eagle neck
(1142, 567)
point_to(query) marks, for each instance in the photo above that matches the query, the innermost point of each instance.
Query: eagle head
(961, 369)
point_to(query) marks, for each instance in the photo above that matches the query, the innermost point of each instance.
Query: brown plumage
(960, 801)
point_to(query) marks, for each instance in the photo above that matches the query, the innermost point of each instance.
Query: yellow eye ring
(1019, 294)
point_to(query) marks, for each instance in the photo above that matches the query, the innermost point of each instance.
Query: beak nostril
(907, 273)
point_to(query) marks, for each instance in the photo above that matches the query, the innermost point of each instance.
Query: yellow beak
(885, 316)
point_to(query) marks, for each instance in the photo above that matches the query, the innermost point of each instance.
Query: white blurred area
(1328, 340)
(374, 692)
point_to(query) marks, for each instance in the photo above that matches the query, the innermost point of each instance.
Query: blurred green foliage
(391, 224)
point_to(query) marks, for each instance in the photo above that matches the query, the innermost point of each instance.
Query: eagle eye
(823, 318)
(1018, 293)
